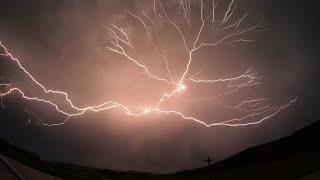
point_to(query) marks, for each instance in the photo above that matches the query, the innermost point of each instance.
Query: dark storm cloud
(48, 36)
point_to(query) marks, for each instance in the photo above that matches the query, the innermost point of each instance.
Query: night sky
(62, 44)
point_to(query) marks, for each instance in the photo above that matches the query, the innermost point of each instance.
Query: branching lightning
(123, 45)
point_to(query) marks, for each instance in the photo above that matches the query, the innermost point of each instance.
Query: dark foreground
(294, 157)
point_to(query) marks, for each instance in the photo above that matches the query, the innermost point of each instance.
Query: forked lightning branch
(231, 29)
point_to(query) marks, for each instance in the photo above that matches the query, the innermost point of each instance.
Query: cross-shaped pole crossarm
(209, 160)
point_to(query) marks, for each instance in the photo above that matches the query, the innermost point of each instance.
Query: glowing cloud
(123, 44)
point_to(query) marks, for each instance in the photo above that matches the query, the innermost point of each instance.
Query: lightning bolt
(123, 44)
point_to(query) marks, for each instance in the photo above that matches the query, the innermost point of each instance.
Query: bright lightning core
(195, 26)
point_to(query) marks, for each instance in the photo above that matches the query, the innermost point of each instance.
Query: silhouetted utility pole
(209, 161)
(209, 164)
